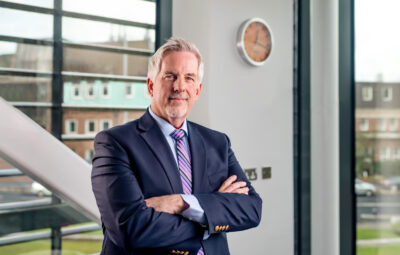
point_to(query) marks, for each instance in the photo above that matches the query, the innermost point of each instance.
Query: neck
(175, 122)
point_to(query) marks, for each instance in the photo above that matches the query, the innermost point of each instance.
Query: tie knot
(178, 134)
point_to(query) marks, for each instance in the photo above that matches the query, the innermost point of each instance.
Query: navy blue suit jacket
(133, 162)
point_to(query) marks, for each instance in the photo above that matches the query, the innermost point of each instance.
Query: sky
(377, 40)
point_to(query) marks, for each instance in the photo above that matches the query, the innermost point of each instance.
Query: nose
(179, 84)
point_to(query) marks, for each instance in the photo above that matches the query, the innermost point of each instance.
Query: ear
(150, 86)
(198, 90)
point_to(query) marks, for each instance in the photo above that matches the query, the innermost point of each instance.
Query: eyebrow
(174, 73)
(191, 74)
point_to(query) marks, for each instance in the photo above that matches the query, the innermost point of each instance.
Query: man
(165, 185)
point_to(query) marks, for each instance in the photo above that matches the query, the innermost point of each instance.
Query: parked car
(364, 188)
(39, 190)
(391, 183)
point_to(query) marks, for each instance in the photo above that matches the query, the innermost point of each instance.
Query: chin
(176, 113)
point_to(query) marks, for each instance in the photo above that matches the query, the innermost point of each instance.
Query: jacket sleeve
(231, 211)
(128, 221)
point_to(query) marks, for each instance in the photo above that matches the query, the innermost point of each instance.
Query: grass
(363, 234)
(381, 250)
(69, 247)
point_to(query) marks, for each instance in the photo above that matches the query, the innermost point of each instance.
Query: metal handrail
(27, 237)
(25, 204)
(10, 172)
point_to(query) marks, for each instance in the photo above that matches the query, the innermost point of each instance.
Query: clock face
(255, 41)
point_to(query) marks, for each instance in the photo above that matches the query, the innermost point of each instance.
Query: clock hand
(258, 32)
(262, 45)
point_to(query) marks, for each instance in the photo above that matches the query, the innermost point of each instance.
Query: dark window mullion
(347, 211)
(57, 82)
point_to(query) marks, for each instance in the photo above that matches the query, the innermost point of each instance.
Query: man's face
(176, 87)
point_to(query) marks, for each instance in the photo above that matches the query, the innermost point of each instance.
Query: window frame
(367, 93)
(132, 94)
(102, 121)
(67, 126)
(102, 87)
(390, 94)
(88, 87)
(87, 126)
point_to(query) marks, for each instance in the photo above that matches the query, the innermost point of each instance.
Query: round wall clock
(254, 41)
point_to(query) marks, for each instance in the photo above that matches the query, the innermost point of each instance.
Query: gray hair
(173, 44)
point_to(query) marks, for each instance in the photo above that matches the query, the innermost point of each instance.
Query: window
(364, 124)
(396, 153)
(367, 93)
(71, 126)
(382, 124)
(90, 93)
(105, 90)
(90, 127)
(393, 124)
(105, 124)
(89, 155)
(76, 91)
(387, 94)
(146, 94)
(129, 90)
(384, 153)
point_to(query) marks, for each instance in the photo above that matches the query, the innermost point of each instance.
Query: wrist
(182, 204)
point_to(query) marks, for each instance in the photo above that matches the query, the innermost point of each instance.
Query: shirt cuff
(194, 212)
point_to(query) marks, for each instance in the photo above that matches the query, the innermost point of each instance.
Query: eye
(169, 77)
(189, 78)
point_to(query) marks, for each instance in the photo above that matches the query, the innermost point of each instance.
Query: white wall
(324, 128)
(253, 105)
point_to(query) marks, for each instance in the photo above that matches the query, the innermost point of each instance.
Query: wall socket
(266, 172)
(251, 174)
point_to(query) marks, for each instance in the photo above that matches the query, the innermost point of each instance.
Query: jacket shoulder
(120, 131)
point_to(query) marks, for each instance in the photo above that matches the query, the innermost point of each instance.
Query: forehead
(180, 62)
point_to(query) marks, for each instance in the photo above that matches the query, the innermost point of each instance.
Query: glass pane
(41, 3)
(26, 56)
(377, 130)
(81, 141)
(132, 10)
(106, 93)
(15, 188)
(94, 32)
(25, 89)
(26, 24)
(41, 115)
(92, 61)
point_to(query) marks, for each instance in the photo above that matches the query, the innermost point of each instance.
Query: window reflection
(25, 89)
(26, 56)
(95, 32)
(92, 61)
(132, 10)
(41, 3)
(26, 24)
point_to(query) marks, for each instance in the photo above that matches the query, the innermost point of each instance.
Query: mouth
(177, 99)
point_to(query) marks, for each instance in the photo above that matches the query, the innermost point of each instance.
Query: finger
(227, 182)
(235, 186)
(244, 191)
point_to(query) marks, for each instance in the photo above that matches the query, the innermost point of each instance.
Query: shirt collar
(165, 126)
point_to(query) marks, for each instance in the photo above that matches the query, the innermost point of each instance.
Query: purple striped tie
(184, 164)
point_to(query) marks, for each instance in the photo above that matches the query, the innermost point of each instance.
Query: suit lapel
(198, 158)
(158, 144)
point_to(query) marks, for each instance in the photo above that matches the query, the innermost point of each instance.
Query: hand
(172, 204)
(229, 186)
